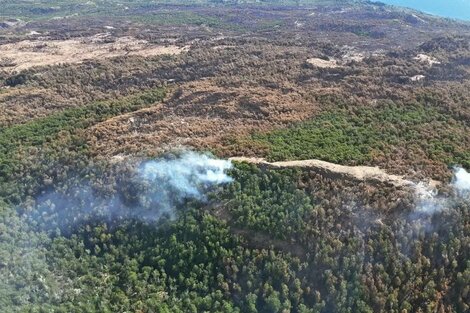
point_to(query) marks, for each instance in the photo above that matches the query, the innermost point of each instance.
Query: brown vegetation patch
(201, 115)
(19, 105)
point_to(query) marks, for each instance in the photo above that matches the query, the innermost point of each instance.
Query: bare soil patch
(423, 58)
(29, 53)
(322, 63)
(360, 173)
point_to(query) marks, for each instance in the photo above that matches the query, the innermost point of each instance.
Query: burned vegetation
(91, 93)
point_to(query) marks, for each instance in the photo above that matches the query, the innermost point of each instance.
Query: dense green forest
(362, 135)
(322, 249)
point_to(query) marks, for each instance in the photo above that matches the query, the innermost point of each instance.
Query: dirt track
(359, 173)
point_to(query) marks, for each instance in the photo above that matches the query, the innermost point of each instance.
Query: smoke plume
(428, 200)
(154, 189)
(187, 174)
(461, 181)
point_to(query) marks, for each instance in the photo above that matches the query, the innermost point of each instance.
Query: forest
(116, 189)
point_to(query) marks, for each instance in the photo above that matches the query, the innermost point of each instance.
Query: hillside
(233, 156)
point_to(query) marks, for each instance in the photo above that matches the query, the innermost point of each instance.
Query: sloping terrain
(200, 115)
(336, 109)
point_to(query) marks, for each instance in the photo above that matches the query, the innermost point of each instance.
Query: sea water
(459, 9)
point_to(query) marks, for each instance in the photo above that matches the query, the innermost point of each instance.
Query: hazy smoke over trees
(430, 202)
(153, 190)
(187, 174)
(461, 181)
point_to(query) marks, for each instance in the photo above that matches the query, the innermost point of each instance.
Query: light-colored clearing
(368, 174)
(423, 58)
(360, 173)
(223, 47)
(418, 18)
(28, 53)
(417, 78)
(323, 63)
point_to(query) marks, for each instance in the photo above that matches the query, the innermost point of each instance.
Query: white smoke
(428, 200)
(461, 181)
(188, 173)
(155, 190)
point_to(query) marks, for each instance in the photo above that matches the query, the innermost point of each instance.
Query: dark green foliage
(283, 241)
(362, 135)
(274, 240)
(193, 265)
(268, 201)
(16, 80)
(55, 139)
(200, 263)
